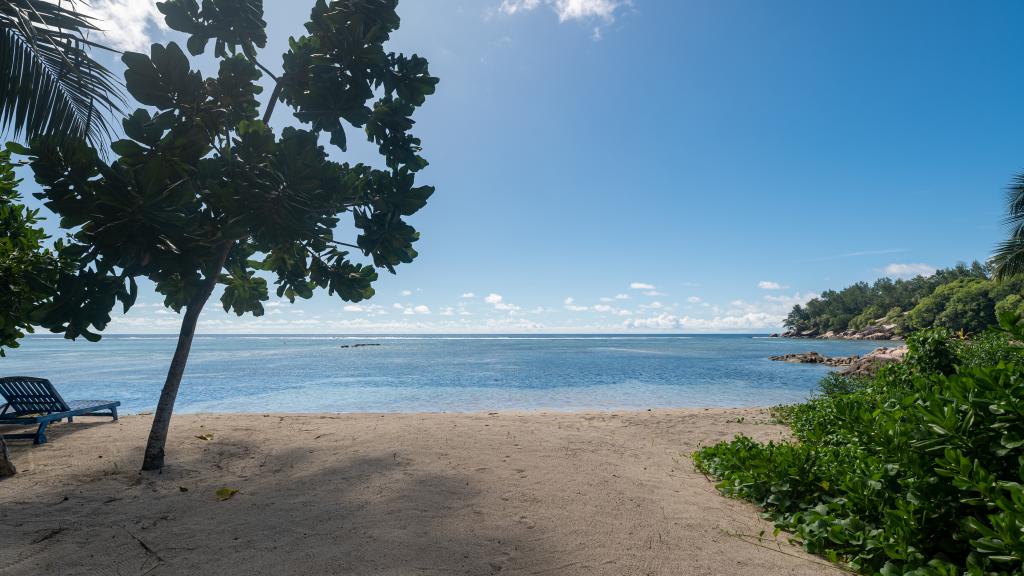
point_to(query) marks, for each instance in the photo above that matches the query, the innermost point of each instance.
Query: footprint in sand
(526, 522)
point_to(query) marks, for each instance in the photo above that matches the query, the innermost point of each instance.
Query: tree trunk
(6, 466)
(154, 456)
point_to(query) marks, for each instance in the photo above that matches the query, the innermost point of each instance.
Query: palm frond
(50, 85)
(1008, 259)
(1015, 200)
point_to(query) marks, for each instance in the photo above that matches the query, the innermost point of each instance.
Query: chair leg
(71, 419)
(113, 412)
(41, 434)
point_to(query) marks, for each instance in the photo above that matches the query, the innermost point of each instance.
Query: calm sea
(431, 373)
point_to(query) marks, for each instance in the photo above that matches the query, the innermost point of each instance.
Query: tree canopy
(962, 298)
(202, 191)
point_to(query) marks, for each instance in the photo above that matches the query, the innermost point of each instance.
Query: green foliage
(1012, 304)
(931, 352)
(1008, 260)
(26, 269)
(915, 471)
(989, 349)
(202, 190)
(50, 84)
(962, 299)
(962, 306)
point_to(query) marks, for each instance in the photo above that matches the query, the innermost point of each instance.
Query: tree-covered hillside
(963, 298)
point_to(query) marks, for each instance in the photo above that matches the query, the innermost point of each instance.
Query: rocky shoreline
(865, 365)
(873, 332)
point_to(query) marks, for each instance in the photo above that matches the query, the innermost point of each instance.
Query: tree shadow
(365, 514)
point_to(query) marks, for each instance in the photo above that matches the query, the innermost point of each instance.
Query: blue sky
(673, 166)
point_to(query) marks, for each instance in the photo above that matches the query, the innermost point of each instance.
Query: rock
(773, 335)
(866, 365)
(801, 358)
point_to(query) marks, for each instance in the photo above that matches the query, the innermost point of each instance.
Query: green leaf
(226, 493)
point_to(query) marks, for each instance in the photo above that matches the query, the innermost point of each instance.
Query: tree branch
(273, 101)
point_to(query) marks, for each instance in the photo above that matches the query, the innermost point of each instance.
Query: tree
(28, 270)
(50, 85)
(1009, 257)
(970, 309)
(204, 192)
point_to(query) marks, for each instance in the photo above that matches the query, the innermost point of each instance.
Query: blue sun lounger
(35, 401)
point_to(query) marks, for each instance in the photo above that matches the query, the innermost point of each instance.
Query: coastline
(433, 493)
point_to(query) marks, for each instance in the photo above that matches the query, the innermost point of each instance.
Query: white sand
(515, 493)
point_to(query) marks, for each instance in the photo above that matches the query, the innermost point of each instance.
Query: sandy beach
(513, 493)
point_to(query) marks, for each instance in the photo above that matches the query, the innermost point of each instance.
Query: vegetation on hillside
(916, 471)
(964, 298)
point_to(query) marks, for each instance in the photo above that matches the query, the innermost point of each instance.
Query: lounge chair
(35, 401)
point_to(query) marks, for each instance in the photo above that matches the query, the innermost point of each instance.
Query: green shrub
(988, 349)
(917, 471)
(931, 352)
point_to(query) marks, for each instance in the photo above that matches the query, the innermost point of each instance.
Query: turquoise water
(431, 373)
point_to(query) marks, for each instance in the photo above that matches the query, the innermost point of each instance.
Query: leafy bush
(917, 471)
(988, 349)
(931, 352)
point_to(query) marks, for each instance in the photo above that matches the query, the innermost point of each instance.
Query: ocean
(431, 373)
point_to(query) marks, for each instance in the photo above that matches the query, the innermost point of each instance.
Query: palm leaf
(50, 85)
(1009, 257)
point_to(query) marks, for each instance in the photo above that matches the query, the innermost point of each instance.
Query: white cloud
(406, 292)
(410, 310)
(909, 270)
(859, 253)
(498, 301)
(790, 301)
(654, 293)
(568, 9)
(769, 285)
(641, 286)
(602, 308)
(732, 323)
(467, 295)
(616, 297)
(354, 308)
(693, 299)
(125, 23)
(570, 305)
(510, 7)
